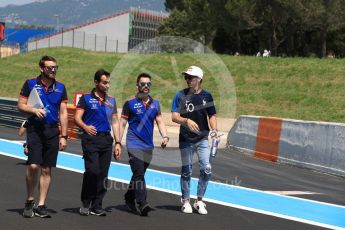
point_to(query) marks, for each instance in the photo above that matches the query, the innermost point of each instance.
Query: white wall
(108, 35)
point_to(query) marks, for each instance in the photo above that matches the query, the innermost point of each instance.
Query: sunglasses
(147, 84)
(189, 77)
(52, 68)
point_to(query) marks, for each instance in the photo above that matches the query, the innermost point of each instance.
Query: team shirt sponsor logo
(39, 89)
(137, 105)
(93, 102)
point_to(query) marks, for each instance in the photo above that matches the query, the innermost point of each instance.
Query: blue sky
(16, 2)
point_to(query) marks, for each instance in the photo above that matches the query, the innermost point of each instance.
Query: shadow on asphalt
(107, 209)
(19, 211)
(169, 207)
(71, 210)
(121, 207)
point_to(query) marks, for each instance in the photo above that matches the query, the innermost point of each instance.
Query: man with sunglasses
(43, 137)
(140, 112)
(192, 108)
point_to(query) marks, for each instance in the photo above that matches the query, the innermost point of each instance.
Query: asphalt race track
(241, 196)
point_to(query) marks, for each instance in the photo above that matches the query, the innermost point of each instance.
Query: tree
(193, 21)
(176, 24)
(325, 16)
(291, 27)
(275, 15)
(242, 14)
(173, 4)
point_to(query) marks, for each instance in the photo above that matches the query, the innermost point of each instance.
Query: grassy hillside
(308, 89)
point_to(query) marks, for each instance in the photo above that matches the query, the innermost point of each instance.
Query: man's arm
(162, 130)
(213, 123)
(116, 133)
(63, 118)
(116, 128)
(64, 124)
(25, 108)
(123, 123)
(176, 117)
(124, 119)
(23, 103)
(89, 129)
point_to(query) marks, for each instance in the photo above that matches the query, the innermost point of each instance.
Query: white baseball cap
(194, 71)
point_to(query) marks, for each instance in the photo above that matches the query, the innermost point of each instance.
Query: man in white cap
(192, 108)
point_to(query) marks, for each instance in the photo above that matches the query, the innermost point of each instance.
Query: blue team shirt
(196, 107)
(51, 96)
(98, 112)
(141, 119)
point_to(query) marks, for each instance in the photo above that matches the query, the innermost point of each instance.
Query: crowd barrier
(309, 144)
(73, 130)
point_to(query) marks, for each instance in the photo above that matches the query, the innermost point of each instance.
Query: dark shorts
(43, 144)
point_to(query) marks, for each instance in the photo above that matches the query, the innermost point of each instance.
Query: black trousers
(97, 152)
(139, 161)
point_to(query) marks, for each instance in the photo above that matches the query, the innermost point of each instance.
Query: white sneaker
(187, 208)
(200, 206)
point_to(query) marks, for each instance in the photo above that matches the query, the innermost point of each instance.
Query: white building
(116, 33)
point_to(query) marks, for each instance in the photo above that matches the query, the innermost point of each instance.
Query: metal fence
(79, 39)
(9, 114)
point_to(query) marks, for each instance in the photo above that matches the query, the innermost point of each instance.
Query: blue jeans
(187, 151)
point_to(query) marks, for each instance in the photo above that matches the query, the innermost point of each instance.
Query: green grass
(297, 88)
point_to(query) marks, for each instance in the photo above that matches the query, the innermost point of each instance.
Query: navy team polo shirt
(51, 96)
(141, 119)
(98, 112)
(196, 107)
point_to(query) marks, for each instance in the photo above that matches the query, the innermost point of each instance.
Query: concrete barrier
(314, 145)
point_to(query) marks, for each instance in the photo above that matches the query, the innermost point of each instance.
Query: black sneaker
(131, 206)
(28, 209)
(41, 211)
(145, 209)
(97, 212)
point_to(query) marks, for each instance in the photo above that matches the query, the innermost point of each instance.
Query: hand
(21, 131)
(40, 113)
(91, 130)
(164, 142)
(214, 134)
(117, 152)
(193, 126)
(62, 144)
